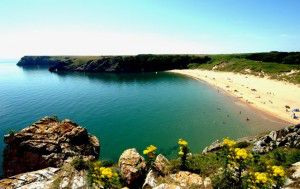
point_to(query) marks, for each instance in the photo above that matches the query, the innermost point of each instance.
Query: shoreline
(261, 94)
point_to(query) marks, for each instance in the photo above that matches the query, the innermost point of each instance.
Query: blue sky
(94, 27)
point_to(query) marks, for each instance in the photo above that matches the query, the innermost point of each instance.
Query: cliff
(139, 63)
(47, 143)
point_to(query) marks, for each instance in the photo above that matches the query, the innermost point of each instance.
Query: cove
(126, 110)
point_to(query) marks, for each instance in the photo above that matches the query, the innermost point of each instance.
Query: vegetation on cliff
(139, 63)
(271, 65)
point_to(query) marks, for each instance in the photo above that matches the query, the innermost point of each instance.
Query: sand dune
(270, 96)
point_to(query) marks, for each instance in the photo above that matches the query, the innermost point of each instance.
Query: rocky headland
(139, 63)
(47, 143)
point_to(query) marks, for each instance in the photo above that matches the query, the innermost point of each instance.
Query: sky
(125, 27)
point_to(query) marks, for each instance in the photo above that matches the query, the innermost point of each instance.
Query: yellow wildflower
(106, 172)
(261, 177)
(278, 171)
(228, 142)
(150, 149)
(182, 142)
(241, 153)
(180, 153)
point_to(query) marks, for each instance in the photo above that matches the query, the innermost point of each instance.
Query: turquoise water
(126, 110)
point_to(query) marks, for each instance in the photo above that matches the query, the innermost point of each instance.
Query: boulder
(207, 183)
(216, 145)
(167, 186)
(186, 179)
(32, 180)
(161, 165)
(293, 181)
(47, 143)
(289, 137)
(132, 166)
(151, 180)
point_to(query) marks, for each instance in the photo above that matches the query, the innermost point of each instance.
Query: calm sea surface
(126, 110)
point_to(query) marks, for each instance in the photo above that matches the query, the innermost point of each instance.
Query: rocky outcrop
(47, 143)
(32, 180)
(289, 136)
(151, 180)
(216, 145)
(48, 178)
(185, 180)
(132, 166)
(293, 180)
(167, 186)
(161, 165)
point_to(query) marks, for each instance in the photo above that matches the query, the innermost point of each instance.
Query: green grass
(76, 60)
(238, 64)
(208, 164)
(203, 164)
(282, 156)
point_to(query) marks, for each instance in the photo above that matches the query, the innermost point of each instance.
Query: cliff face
(46, 61)
(47, 143)
(139, 63)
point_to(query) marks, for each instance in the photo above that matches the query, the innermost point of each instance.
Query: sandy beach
(269, 96)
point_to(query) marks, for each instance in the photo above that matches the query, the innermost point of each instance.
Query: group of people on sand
(294, 116)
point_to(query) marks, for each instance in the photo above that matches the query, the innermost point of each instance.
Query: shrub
(205, 164)
(12, 132)
(183, 150)
(244, 169)
(150, 152)
(79, 164)
(107, 163)
(243, 144)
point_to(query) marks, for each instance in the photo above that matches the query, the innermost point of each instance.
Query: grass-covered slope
(244, 63)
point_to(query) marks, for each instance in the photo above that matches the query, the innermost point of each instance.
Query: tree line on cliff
(275, 56)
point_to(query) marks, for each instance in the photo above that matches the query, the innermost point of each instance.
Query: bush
(243, 144)
(205, 164)
(107, 163)
(12, 132)
(244, 169)
(79, 164)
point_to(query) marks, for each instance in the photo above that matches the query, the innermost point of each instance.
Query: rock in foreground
(47, 143)
(37, 179)
(132, 166)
